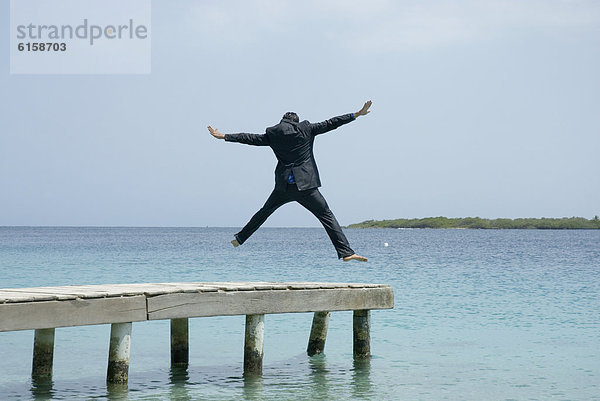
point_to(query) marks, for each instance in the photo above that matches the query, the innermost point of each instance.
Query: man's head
(290, 115)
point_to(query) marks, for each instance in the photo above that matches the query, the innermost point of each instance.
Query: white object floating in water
(386, 244)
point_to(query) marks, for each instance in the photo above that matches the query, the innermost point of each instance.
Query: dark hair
(290, 115)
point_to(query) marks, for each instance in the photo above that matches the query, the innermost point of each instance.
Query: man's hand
(364, 111)
(215, 132)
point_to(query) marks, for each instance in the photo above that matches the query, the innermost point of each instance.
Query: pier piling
(118, 354)
(180, 353)
(361, 323)
(253, 344)
(43, 353)
(318, 333)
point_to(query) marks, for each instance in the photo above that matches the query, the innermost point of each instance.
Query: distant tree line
(565, 223)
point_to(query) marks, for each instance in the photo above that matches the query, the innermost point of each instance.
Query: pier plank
(64, 293)
(170, 306)
(78, 312)
(7, 296)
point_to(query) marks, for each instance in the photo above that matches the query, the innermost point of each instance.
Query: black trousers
(312, 200)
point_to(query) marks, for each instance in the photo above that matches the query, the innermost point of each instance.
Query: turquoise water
(479, 315)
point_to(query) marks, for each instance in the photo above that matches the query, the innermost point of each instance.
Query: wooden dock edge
(180, 305)
(75, 309)
(77, 312)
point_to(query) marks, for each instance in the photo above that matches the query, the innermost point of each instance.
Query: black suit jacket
(292, 144)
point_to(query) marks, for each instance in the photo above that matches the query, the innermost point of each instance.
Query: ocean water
(479, 314)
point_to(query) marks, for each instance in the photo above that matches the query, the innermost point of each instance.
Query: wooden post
(253, 344)
(43, 353)
(180, 353)
(118, 353)
(318, 333)
(361, 333)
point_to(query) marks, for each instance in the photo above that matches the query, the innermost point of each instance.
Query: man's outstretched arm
(335, 122)
(248, 139)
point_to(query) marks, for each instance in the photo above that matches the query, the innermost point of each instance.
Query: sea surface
(479, 314)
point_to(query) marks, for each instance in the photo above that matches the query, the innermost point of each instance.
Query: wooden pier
(45, 308)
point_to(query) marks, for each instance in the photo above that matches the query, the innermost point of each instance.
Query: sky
(480, 108)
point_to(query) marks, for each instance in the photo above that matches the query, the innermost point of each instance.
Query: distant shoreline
(565, 223)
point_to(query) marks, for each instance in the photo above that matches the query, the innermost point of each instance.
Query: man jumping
(296, 175)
